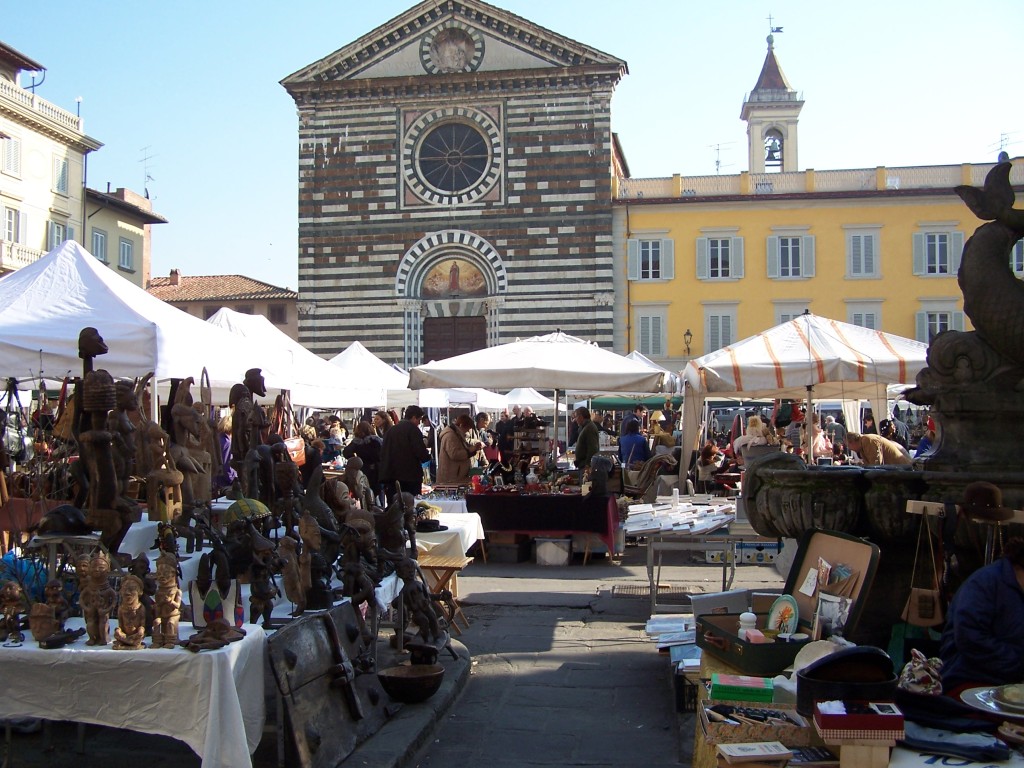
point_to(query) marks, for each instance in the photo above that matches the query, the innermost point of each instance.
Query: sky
(186, 97)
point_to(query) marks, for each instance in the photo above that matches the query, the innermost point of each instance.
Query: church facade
(455, 186)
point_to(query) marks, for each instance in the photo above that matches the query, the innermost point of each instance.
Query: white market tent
(808, 356)
(528, 396)
(360, 364)
(315, 382)
(45, 305)
(554, 361)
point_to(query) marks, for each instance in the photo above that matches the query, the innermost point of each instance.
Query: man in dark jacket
(588, 442)
(403, 454)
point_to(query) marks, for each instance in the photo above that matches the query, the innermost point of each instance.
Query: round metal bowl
(413, 683)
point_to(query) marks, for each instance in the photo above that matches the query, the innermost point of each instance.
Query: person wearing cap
(403, 455)
(983, 640)
(661, 433)
(875, 449)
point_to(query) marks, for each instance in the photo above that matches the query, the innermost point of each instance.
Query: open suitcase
(718, 635)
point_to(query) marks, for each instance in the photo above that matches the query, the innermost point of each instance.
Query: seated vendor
(983, 642)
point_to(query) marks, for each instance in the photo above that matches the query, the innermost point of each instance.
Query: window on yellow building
(651, 259)
(866, 314)
(862, 254)
(719, 326)
(931, 323)
(937, 253)
(719, 258)
(652, 335)
(790, 256)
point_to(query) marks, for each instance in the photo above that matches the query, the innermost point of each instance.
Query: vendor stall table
(723, 541)
(464, 530)
(212, 700)
(547, 514)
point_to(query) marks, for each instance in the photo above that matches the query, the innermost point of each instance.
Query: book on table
(774, 752)
(813, 757)
(741, 687)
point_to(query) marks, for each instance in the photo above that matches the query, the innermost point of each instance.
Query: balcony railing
(40, 106)
(15, 256)
(941, 177)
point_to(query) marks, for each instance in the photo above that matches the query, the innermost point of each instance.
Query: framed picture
(499, 481)
(831, 616)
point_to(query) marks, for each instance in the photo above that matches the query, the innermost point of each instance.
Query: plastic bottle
(748, 620)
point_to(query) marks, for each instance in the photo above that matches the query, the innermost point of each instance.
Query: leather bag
(924, 605)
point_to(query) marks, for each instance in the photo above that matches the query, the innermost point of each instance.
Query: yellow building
(705, 261)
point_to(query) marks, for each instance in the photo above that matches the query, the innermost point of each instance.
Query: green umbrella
(244, 509)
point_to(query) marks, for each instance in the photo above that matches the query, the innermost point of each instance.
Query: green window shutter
(856, 255)
(714, 333)
(920, 265)
(657, 336)
(633, 258)
(921, 323)
(956, 250)
(726, 330)
(668, 259)
(807, 256)
(956, 321)
(702, 258)
(772, 252)
(71, 233)
(736, 257)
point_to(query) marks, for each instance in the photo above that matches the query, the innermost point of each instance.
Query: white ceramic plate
(982, 698)
(784, 615)
(1015, 703)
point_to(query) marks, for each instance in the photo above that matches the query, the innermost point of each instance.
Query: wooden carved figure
(12, 606)
(418, 605)
(167, 602)
(140, 568)
(358, 484)
(97, 599)
(294, 589)
(262, 591)
(54, 593)
(131, 616)
(41, 621)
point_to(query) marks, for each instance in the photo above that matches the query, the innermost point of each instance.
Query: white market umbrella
(804, 357)
(45, 305)
(315, 382)
(554, 361)
(529, 396)
(360, 364)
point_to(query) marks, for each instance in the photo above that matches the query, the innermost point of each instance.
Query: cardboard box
(758, 553)
(733, 601)
(863, 721)
(795, 732)
(714, 556)
(554, 551)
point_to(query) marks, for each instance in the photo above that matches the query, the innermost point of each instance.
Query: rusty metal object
(325, 672)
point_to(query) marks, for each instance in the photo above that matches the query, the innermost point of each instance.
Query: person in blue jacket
(983, 641)
(633, 446)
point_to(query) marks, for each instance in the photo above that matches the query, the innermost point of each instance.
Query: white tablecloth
(464, 530)
(212, 700)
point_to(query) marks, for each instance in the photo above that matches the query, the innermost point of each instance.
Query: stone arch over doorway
(450, 285)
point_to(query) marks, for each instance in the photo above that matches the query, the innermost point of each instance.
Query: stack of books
(754, 754)
(741, 688)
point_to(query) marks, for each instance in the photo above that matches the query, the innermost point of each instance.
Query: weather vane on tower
(772, 30)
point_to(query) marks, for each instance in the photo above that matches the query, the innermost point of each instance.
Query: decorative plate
(784, 615)
(982, 698)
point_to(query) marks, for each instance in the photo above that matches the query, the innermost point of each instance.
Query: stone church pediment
(452, 37)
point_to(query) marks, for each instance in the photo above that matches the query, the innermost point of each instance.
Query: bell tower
(772, 111)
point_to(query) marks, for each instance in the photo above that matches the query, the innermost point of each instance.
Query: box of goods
(749, 552)
(685, 690)
(741, 687)
(858, 721)
(514, 552)
(714, 556)
(827, 563)
(554, 551)
(737, 722)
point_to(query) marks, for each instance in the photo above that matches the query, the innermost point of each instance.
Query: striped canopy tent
(804, 358)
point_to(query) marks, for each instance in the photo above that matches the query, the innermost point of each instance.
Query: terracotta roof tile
(216, 287)
(771, 77)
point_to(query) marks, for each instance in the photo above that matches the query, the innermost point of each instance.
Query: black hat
(984, 502)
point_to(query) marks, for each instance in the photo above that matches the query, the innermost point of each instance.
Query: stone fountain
(974, 383)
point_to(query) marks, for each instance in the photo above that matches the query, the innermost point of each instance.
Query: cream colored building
(43, 177)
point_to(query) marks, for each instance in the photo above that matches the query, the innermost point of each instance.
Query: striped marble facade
(538, 226)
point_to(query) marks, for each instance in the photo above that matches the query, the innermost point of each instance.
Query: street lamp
(687, 338)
